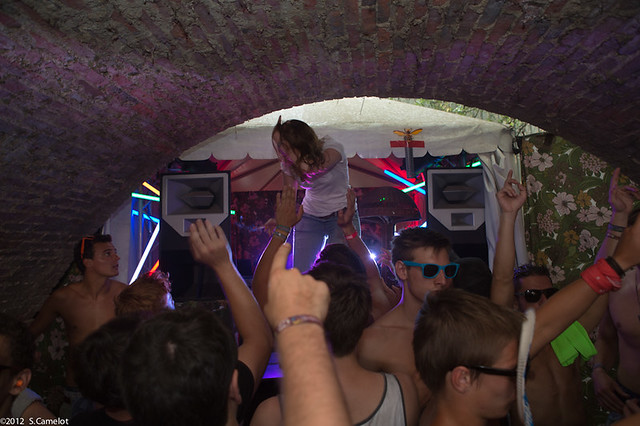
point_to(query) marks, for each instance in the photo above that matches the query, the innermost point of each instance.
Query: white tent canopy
(365, 127)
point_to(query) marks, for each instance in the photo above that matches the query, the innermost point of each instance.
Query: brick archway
(96, 98)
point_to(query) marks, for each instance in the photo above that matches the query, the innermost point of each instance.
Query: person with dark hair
(554, 387)
(421, 260)
(618, 338)
(150, 292)
(184, 367)
(320, 167)
(180, 369)
(16, 361)
(466, 347)
(96, 364)
(86, 305)
(372, 398)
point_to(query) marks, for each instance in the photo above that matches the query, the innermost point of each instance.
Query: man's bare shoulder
(117, 286)
(385, 343)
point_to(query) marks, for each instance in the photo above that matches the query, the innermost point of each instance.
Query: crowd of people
(445, 349)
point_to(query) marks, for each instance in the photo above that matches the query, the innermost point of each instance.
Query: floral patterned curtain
(567, 210)
(566, 217)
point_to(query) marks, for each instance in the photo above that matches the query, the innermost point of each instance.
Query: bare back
(624, 308)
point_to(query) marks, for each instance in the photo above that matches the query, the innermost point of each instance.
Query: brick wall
(97, 96)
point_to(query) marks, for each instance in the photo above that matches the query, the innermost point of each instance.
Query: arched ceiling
(98, 95)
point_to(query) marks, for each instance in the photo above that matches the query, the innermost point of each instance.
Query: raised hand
(621, 198)
(208, 244)
(291, 293)
(345, 216)
(286, 213)
(512, 195)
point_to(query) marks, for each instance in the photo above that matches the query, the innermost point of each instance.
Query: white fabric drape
(496, 166)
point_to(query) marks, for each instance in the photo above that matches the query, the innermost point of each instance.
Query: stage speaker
(185, 198)
(455, 207)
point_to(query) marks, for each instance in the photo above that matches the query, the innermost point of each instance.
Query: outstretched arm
(286, 218)
(209, 245)
(382, 297)
(572, 301)
(311, 392)
(510, 198)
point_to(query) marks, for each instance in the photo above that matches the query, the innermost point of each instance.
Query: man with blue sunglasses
(421, 260)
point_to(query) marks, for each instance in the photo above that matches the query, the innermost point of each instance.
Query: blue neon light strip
(145, 216)
(403, 180)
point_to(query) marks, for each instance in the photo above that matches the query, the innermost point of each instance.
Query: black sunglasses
(532, 295)
(431, 270)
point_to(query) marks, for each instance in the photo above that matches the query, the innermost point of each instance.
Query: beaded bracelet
(601, 277)
(296, 320)
(279, 234)
(616, 228)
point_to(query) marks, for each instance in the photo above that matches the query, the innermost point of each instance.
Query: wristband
(616, 228)
(615, 266)
(601, 277)
(351, 236)
(279, 234)
(612, 236)
(597, 365)
(283, 228)
(296, 320)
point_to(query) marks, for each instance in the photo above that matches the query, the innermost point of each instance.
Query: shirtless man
(554, 388)
(618, 340)
(387, 344)
(86, 305)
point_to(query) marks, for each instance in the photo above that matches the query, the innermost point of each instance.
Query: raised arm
(286, 218)
(510, 198)
(209, 245)
(621, 202)
(572, 301)
(311, 392)
(382, 297)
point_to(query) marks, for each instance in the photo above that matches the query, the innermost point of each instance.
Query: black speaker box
(185, 198)
(455, 207)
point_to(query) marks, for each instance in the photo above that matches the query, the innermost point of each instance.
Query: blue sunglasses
(431, 270)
